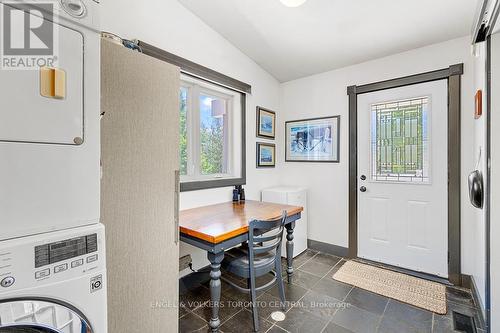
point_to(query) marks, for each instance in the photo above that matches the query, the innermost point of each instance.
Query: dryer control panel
(51, 257)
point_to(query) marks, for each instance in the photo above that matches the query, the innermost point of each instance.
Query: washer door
(41, 316)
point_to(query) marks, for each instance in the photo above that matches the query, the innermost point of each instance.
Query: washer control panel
(66, 249)
(51, 257)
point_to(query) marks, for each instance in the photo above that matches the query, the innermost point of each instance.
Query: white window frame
(195, 88)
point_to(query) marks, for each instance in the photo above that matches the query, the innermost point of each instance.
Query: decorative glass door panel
(399, 141)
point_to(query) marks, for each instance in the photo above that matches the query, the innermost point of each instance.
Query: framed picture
(312, 140)
(266, 123)
(266, 155)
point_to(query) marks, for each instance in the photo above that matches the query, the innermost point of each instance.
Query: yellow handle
(52, 82)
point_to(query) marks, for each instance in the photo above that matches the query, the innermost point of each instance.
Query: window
(210, 133)
(400, 141)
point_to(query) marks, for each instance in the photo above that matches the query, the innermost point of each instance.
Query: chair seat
(236, 261)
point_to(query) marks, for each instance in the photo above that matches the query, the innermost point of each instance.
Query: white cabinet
(295, 196)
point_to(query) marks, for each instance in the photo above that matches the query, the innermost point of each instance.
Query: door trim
(453, 75)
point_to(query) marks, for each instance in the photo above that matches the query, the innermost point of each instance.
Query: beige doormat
(405, 288)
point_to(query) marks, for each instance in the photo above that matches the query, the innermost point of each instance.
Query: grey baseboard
(336, 250)
(466, 281)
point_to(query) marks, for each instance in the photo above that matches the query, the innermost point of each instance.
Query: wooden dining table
(217, 228)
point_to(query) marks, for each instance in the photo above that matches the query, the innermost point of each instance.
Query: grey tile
(267, 304)
(242, 322)
(230, 293)
(468, 311)
(336, 267)
(356, 320)
(394, 325)
(409, 316)
(303, 257)
(227, 309)
(332, 288)
(459, 296)
(276, 329)
(326, 259)
(304, 279)
(298, 320)
(193, 280)
(192, 323)
(460, 308)
(316, 268)
(334, 328)
(442, 324)
(182, 311)
(292, 292)
(366, 300)
(262, 280)
(320, 304)
(195, 297)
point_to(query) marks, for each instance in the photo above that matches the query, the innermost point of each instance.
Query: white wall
(168, 25)
(479, 272)
(325, 94)
(495, 181)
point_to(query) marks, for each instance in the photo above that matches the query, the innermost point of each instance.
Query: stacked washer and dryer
(52, 246)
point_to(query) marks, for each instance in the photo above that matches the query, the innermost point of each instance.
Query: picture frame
(265, 155)
(313, 140)
(265, 123)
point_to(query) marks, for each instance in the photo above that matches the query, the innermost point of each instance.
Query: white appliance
(55, 282)
(295, 196)
(50, 146)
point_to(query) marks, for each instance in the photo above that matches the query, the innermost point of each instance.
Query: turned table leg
(289, 250)
(215, 288)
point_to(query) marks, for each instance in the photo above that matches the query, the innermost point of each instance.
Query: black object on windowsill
(238, 193)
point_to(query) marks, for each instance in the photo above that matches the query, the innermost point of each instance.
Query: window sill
(212, 183)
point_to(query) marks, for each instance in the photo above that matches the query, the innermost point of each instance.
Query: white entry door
(403, 177)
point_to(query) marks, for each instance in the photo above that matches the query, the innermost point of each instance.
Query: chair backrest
(265, 236)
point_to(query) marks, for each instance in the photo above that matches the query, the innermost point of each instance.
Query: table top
(217, 223)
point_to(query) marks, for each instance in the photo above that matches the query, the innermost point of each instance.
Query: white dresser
(296, 196)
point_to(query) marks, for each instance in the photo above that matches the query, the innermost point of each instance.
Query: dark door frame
(453, 75)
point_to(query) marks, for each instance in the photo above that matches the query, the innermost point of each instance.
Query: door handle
(362, 189)
(363, 177)
(176, 204)
(52, 82)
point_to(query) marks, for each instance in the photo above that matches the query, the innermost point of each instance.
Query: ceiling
(322, 35)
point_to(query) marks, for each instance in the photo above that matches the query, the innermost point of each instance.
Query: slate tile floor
(316, 303)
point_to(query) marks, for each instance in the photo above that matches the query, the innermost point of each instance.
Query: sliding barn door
(140, 157)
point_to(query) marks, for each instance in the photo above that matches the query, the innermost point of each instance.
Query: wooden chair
(261, 256)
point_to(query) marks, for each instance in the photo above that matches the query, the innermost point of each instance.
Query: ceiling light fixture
(293, 3)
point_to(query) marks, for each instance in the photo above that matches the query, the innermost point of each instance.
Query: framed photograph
(312, 140)
(266, 155)
(266, 123)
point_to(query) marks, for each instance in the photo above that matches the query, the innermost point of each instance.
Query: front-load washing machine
(49, 117)
(54, 282)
